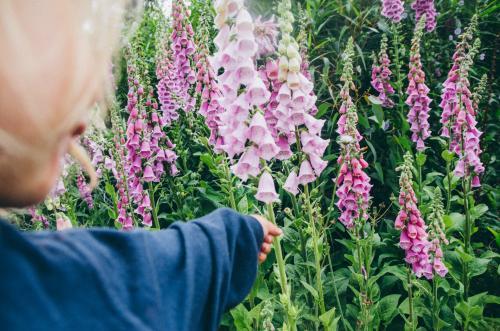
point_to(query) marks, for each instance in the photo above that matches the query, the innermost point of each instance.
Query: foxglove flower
(414, 238)
(425, 8)
(353, 183)
(381, 75)
(84, 190)
(183, 49)
(37, 217)
(437, 236)
(167, 87)
(459, 111)
(294, 105)
(243, 128)
(207, 88)
(417, 92)
(393, 10)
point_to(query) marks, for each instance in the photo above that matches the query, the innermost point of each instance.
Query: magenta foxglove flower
(417, 92)
(427, 8)
(353, 183)
(37, 217)
(183, 49)
(85, 191)
(459, 110)
(393, 10)
(207, 88)
(414, 238)
(381, 75)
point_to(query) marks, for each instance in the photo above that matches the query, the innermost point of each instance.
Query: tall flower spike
(183, 49)
(393, 10)
(353, 183)
(417, 92)
(414, 238)
(425, 8)
(437, 236)
(206, 85)
(459, 111)
(296, 100)
(243, 128)
(381, 75)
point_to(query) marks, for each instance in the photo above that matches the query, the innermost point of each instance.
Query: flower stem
(281, 268)
(448, 199)
(435, 305)
(153, 206)
(362, 284)
(317, 255)
(467, 236)
(399, 82)
(410, 300)
(232, 200)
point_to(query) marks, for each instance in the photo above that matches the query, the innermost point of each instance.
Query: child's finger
(262, 257)
(265, 248)
(268, 239)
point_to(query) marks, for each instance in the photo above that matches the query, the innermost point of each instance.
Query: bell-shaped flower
(292, 183)
(306, 173)
(266, 191)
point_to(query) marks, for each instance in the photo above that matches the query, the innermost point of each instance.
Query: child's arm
(182, 278)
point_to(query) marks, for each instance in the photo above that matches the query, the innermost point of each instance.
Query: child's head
(55, 63)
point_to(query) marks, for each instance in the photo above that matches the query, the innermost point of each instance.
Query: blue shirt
(180, 279)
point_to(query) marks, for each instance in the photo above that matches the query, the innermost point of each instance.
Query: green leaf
(454, 222)
(328, 320)
(421, 158)
(379, 114)
(311, 290)
(387, 307)
(478, 266)
(447, 155)
(243, 205)
(478, 211)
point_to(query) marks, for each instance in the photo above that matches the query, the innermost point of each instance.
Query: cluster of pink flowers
(183, 49)
(417, 91)
(84, 190)
(147, 147)
(381, 75)
(353, 183)
(295, 102)
(459, 111)
(414, 237)
(37, 217)
(242, 92)
(167, 87)
(208, 90)
(427, 8)
(436, 233)
(393, 10)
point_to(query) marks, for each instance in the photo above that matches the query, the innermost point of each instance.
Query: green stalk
(362, 285)
(410, 300)
(448, 199)
(302, 241)
(281, 267)
(399, 77)
(153, 206)
(317, 256)
(336, 293)
(232, 200)
(467, 236)
(435, 305)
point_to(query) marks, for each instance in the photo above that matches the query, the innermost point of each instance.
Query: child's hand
(270, 231)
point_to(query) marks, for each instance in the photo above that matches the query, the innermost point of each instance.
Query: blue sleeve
(181, 278)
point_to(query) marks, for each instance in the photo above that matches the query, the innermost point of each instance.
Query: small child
(54, 65)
